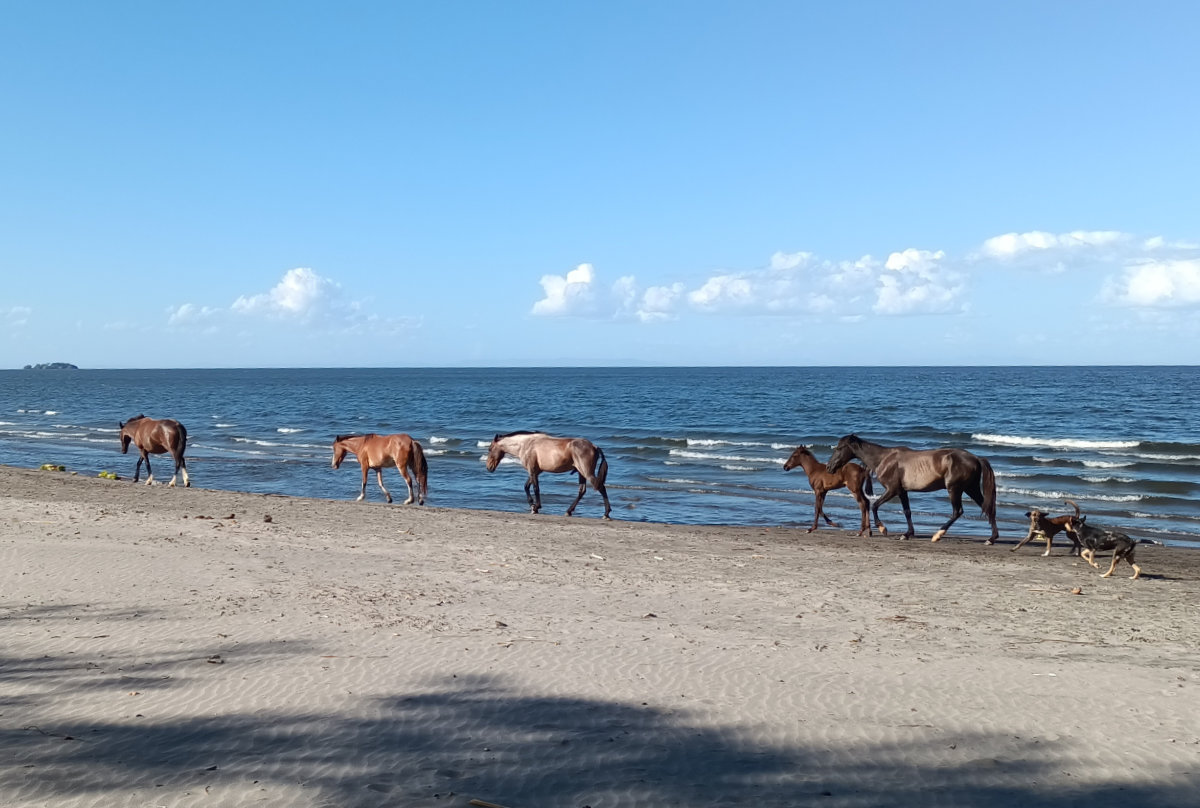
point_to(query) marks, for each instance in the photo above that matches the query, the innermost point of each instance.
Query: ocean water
(684, 445)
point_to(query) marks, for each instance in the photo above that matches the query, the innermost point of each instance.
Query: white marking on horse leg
(187, 482)
(172, 483)
(938, 536)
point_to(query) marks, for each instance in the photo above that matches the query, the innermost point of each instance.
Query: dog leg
(1090, 557)
(1137, 571)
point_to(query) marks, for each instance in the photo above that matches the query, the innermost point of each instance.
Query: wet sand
(174, 647)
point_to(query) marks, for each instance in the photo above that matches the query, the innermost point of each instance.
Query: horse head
(844, 452)
(339, 450)
(495, 454)
(797, 458)
(125, 437)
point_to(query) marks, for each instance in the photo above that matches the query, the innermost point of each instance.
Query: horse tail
(870, 489)
(987, 485)
(601, 467)
(182, 439)
(420, 466)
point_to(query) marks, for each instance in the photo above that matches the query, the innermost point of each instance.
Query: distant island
(53, 366)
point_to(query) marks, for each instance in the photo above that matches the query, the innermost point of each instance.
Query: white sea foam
(1052, 443)
(1104, 479)
(1032, 492)
(436, 439)
(719, 442)
(677, 481)
(435, 452)
(484, 444)
(726, 458)
(224, 426)
(1105, 464)
(1168, 458)
(7, 423)
(735, 467)
(256, 442)
(287, 430)
(50, 412)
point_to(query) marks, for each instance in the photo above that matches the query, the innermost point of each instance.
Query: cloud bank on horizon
(1150, 273)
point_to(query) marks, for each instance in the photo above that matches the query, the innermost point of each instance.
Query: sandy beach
(172, 647)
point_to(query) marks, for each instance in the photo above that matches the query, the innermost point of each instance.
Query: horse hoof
(938, 536)
(882, 530)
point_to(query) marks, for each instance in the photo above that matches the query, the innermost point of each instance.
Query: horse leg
(379, 479)
(407, 481)
(956, 504)
(181, 466)
(819, 510)
(533, 492)
(175, 473)
(863, 504)
(137, 470)
(149, 473)
(976, 494)
(362, 493)
(890, 493)
(912, 531)
(582, 488)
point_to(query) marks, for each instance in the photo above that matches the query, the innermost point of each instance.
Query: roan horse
(854, 477)
(540, 452)
(377, 452)
(155, 437)
(901, 470)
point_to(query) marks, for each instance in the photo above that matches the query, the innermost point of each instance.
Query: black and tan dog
(1095, 538)
(1042, 524)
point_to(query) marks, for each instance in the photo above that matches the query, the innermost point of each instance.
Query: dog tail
(1071, 502)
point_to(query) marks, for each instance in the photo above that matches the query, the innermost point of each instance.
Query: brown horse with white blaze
(901, 470)
(377, 452)
(855, 478)
(540, 452)
(153, 436)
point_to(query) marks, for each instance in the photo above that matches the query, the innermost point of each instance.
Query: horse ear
(120, 425)
(496, 438)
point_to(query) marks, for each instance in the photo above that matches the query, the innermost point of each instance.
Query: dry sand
(170, 647)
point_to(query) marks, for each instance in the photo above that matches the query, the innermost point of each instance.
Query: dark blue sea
(685, 445)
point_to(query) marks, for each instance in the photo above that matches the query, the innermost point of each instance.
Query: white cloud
(567, 295)
(916, 282)
(782, 260)
(1156, 284)
(189, 314)
(1011, 245)
(723, 291)
(301, 294)
(16, 316)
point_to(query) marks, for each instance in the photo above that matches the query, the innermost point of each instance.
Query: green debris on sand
(52, 467)
(108, 475)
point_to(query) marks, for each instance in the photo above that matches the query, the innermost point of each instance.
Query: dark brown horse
(377, 452)
(155, 437)
(855, 478)
(901, 470)
(540, 452)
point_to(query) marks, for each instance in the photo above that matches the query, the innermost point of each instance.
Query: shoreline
(349, 654)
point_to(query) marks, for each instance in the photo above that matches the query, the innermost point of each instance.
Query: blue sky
(411, 184)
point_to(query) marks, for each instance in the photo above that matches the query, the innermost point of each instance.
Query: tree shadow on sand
(485, 739)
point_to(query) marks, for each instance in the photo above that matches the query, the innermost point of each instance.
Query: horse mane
(348, 437)
(137, 417)
(518, 432)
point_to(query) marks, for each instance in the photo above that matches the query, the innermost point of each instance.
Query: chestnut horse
(901, 470)
(155, 437)
(377, 452)
(854, 477)
(540, 452)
